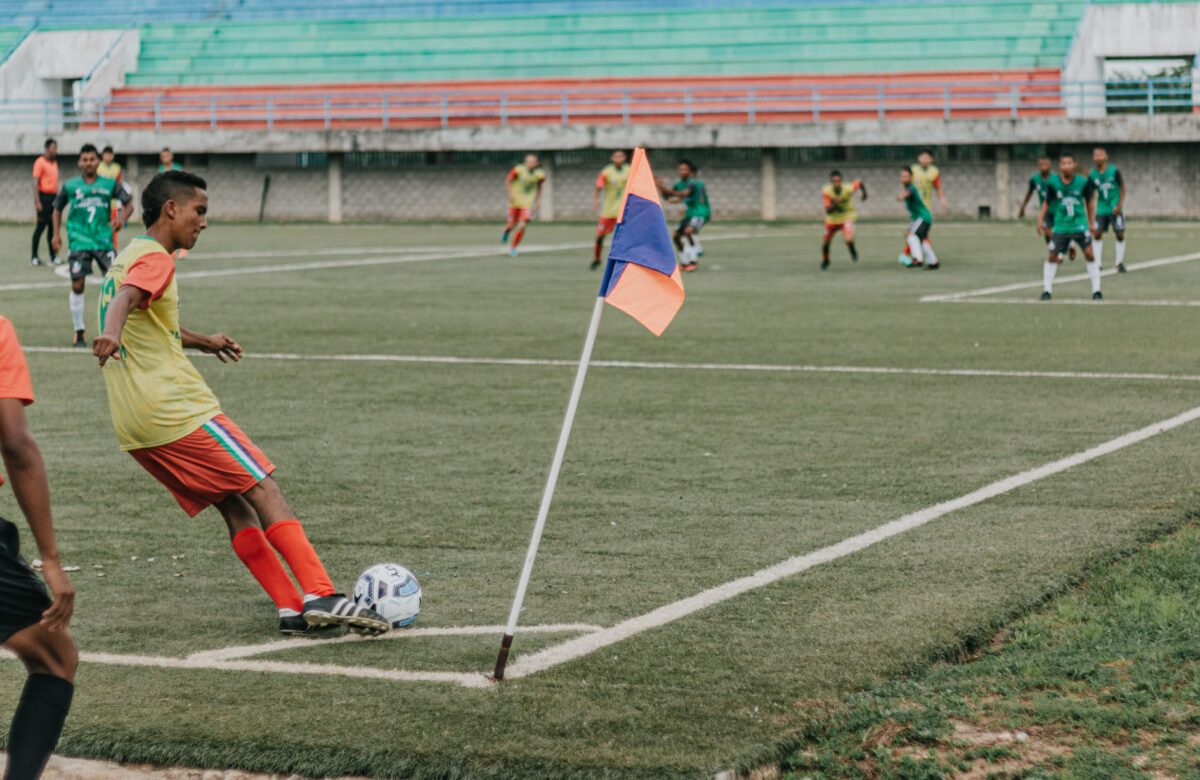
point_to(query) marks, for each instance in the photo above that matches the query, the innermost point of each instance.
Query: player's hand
(1116, 209)
(105, 347)
(59, 613)
(115, 222)
(56, 244)
(225, 348)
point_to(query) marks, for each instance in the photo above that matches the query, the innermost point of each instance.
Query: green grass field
(785, 410)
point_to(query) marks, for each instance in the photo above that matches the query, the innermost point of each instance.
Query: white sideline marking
(1073, 302)
(356, 262)
(247, 651)
(944, 297)
(570, 650)
(668, 366)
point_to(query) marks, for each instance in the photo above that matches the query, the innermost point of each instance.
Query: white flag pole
(551, 482)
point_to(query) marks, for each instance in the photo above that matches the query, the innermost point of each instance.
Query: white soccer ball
(392, 591)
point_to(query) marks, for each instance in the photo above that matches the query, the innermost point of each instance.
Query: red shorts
(606, 225)
(516, 215)
(207, 466)
(847, 229)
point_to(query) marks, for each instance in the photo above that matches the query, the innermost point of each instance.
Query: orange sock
(251, 547)
(288, 537)
(517, 238)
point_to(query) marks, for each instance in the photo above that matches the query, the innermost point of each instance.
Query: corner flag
(642, 278)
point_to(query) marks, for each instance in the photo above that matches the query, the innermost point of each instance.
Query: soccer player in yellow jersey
(109, 168)
(168, 419)
(928, 179)
(524, 188)
(610, 182)
(840, 214)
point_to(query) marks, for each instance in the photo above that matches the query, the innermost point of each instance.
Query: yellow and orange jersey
(523, 185)
(612, 180)
(842, 203)
(925, 180)
(155, 394)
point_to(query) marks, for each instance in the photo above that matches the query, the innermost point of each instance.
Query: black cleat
(595, 264)
(854, 257)
(1045, 296)
(338, 610)
(296, 625)
(1121, 268)
(824, 264)
(80, 339)
(933, 266)
(1097, 296)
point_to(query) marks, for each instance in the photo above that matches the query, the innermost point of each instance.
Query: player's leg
(80, 266)
(1119, 232)
(931, 258)
(1098, 238)
(848, 235)
(605, 226)
(826, 238)
(323, 605)
(689, 248)
(519, 230)
(1091, 262)
(255, 552)
(913, 242)
(508, 224)
(1058, 245)
(51, 659)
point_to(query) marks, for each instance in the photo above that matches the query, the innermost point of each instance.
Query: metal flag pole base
(548, 494)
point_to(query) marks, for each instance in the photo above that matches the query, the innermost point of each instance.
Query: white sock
(1049, 245)
(1120, 251)
(914, 247)
(698, 246)
(76, 301)
(1093, 272)
(930, 257)
(1048, 273)
(1098, 251)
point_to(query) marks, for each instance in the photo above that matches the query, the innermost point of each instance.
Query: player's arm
(1041, 220)
(1090, 194)
(537, 199)
(108, 344)
(126, 211)
(1028, 194)
(218, 344)
(825, 199)
(863, 189)
(60, 205)
(937, 186)
(1120, 209)
(26, 470)
(596, 193)
(37, 193)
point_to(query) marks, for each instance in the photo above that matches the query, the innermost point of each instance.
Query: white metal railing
(304, 108)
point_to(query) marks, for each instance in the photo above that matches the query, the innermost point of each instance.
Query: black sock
(37, 724)
(853, 251)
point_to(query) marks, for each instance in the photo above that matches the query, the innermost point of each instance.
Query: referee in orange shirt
(45, 188)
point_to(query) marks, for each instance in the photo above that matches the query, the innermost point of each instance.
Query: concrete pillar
(546, 213)
(1004, 206)
(770, 202)
(131, 178)
(334, 172)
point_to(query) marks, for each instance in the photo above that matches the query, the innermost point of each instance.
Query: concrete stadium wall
(1161, 179)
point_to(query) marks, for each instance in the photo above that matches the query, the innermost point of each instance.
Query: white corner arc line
(782, 368)
(247, 651)
(573, 649)
(466, 679)
(944, 297)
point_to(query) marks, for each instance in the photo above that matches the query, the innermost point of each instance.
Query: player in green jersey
(1038, 183)
(1110, 205)
(1070, 200)
(917, 244)
(91, 222)
(694, 195)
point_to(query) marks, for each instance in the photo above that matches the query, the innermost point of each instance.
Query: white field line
(943, 297)
(354, 262)
(247, 651)
(466, 679)
(572, 649)
(668, 366)
(1074, 302)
